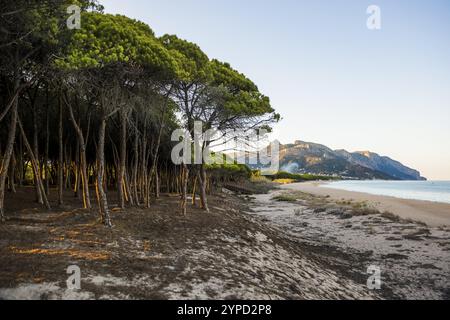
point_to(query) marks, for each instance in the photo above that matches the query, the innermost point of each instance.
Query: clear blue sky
(334, 81)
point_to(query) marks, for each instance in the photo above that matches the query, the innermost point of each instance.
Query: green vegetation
(225, 173)
(286, 176)
(285, 198)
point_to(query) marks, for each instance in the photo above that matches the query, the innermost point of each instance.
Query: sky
(334, 81)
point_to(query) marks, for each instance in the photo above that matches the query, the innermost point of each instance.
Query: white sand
(433, 214)
(414, 260)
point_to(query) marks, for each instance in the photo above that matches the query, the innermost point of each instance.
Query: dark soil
(158, 254)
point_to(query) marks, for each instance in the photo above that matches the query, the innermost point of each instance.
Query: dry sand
(246, 248)
(414, 259)
(433, 214)
(159, 254)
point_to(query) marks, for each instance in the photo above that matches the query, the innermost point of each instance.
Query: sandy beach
(247, 247)
(414, 259)
(434, 214)
(227, 254)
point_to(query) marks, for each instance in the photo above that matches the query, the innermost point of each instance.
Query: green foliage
(230, 171)
(302, 177)
(225, 75)
(29, 31)
(211, 84)
(106, 39)
(241, 96)
(193, 62)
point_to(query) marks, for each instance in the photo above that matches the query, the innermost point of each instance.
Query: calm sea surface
(436, 191)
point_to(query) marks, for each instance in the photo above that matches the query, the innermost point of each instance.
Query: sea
(435, 191)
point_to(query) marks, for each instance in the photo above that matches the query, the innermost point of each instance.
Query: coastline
(434, 214)
(351, 236)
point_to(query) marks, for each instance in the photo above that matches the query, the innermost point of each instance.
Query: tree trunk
(122, 159)
(10, 104)
(61, 156)
(101, 194)
(47, 147)
(203, 182)
(8, 152)
(184, 178)
(77, 171)
(194, 192)
(128, 193)
(67, 167)
(157, 184)
(20, 163)
(83, 162)
(84, 178)
(36, 154)
(12, 182)
(136, 164)
(34, 165)
(145, 189)
(153, 172)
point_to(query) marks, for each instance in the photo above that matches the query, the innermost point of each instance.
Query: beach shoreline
(434, 214)
(353, 236)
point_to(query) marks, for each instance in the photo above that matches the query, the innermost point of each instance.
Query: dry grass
(260, 179)
(284, 181)
(73, 253)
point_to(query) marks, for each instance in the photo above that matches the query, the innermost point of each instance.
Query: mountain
(383, 164)
(306, 157)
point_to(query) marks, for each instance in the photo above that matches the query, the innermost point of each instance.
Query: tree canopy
(100, 103)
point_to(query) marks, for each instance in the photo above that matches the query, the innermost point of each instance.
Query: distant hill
(306, 157)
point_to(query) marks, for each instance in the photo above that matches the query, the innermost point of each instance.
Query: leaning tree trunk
(34, 165)
(36, 155)
(101, 194)
(83, 162)
(8, 153)
(10, 105)
(194, 192)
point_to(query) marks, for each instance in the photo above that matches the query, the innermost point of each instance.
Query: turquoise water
(436, 191)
